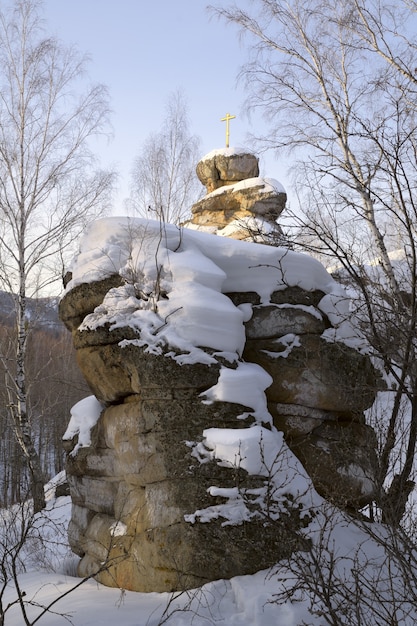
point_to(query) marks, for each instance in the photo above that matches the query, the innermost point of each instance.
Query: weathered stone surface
(102, 336)
(336, 448)
(80, 520)
(115, 372)
(85, 462)
(296, 420)
(231, 203)
(141, 435)
(156, 548)
(223, 169)
(279, 320)
(342, 453)
(164, 559)
(81, 516)
(83, 299)
(245, 297)
(130, 506)
(289, 295)
(315, 373)
(297, 296)
(93, 493)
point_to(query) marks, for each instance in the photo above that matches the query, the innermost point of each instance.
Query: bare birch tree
(164, 182)
(48, 185)
(338, 83)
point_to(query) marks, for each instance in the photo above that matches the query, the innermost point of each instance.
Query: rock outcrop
(132, 487)
(319, 393)
(239, 203)
(166, 492)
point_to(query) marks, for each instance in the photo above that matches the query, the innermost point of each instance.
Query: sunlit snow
(176, 281)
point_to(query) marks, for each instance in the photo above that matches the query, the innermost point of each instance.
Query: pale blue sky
(143, 50)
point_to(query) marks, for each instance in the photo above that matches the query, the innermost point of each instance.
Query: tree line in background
(54, 385)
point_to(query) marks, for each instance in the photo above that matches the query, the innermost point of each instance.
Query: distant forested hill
(54, 384)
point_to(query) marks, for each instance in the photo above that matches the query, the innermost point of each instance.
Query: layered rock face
(143, 473)
(318, 396)
(238, 204)
(215, 362)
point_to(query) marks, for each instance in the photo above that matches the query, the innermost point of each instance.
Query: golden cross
(227, 120)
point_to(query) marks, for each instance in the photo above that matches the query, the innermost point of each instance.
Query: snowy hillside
(42, 310)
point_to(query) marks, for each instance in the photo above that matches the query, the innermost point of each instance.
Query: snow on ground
(348, 560)
(228, 603)
(47, 565)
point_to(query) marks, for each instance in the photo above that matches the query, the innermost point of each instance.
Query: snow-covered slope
(350, 568)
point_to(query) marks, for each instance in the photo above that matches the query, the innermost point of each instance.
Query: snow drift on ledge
(176, 278)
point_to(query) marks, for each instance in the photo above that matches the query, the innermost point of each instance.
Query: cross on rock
(227, 120)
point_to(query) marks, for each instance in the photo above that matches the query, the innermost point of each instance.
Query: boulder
(78, 302)
(114, 372)
(130, 527)
(225, 167)
(337, 449)
(238, 204)
(343, 454)
(278, 320)
(310, 371)
(174, 557)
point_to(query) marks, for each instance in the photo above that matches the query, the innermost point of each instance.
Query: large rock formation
(208, 358)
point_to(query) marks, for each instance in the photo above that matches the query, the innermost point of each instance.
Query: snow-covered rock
(239, 203)
(209, 357)
(226, 167)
